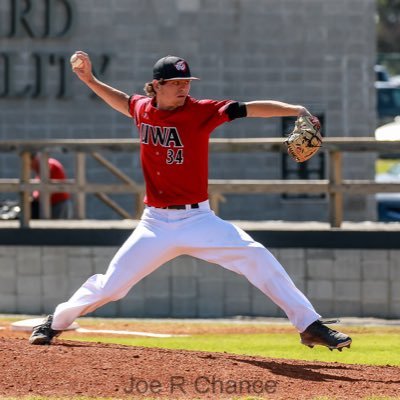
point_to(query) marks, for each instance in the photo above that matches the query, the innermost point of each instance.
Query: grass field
(373, 345)
(381, 166)
(379, 348)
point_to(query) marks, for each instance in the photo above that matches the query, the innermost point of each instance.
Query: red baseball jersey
(174, 148)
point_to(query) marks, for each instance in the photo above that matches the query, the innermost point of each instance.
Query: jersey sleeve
(132, 102)
(216, 106)
(214, 112)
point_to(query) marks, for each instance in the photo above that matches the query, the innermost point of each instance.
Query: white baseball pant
(164, 234)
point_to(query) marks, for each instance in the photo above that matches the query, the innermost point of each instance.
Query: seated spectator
(61, 205)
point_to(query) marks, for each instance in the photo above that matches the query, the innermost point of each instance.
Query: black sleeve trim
(236, 110)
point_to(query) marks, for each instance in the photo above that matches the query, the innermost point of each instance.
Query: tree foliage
(388, 29)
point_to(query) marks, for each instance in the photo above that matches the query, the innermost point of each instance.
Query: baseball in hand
(76, 62)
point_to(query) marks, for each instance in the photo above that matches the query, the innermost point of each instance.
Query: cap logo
(180, 65)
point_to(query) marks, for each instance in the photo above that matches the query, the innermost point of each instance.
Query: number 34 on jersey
(164, 137)
(175, 156)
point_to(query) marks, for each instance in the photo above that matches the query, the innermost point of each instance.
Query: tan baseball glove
(305, 139)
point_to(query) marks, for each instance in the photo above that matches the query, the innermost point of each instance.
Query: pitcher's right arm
(113, 97)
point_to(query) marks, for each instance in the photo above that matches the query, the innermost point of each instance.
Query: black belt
(181, 206)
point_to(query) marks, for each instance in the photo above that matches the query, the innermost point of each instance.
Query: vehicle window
(385, 98)
(389, 98)
(381, 76)
(396, 97)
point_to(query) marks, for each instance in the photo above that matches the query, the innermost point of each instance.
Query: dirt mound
(70, 368)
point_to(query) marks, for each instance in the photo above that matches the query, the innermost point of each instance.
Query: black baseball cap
(170, 68)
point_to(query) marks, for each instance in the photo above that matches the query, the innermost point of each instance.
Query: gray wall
(338, 282)
(314, 52)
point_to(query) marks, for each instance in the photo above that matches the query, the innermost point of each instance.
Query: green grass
(381, 166)
(374, 349)
(371, 345)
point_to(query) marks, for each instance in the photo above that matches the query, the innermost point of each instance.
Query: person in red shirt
(60, 202)
(174, 130)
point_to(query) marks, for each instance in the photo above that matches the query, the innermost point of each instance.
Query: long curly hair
(149, 88)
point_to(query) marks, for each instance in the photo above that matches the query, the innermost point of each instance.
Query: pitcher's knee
(100, 289)
(113, 293)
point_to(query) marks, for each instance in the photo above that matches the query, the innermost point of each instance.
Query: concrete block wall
(313, 52)
(339, 282)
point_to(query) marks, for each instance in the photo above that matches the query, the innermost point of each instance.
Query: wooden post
(113, 205)
(24, 194)
(80, 178)
(139, 195)
(335, 196)
(45, 208)
(215, 199)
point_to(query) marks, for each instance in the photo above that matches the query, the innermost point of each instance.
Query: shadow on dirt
(309, 372)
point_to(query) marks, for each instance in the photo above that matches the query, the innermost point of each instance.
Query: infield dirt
(72, 369)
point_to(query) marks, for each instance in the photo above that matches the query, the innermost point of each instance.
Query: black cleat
(319, 334)
(43, 334)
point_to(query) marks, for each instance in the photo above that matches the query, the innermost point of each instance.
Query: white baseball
(76, 62)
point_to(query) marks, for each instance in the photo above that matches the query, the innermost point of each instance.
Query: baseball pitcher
(174, 130)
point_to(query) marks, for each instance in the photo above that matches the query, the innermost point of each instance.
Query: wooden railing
(335, 186)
